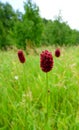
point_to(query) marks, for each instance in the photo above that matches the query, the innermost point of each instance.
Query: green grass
(23, 94)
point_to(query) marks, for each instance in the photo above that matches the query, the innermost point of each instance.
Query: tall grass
(23, 92)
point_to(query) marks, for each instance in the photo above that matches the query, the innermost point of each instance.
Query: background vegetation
(28, 28)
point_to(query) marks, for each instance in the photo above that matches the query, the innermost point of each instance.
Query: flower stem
(47, 95)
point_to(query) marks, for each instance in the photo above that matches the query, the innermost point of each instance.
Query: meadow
(23, 94)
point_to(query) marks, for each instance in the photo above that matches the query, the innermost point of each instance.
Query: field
(25, 103)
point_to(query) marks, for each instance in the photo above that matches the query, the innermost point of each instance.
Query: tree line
(28, 28)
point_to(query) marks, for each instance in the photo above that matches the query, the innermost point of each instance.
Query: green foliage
(29, 26)
(7, 18)
(33, 22)
(58, 32)
(17, 28)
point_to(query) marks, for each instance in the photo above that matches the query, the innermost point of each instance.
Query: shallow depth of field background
(23, 91)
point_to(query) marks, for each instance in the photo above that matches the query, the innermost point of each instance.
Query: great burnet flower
(21, 56)
(46, 61)
(57, 52)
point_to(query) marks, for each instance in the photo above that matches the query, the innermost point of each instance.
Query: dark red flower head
(46, 61)
(57, 52)
(21, 56)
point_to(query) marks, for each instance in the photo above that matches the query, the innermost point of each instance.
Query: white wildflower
(16, 77)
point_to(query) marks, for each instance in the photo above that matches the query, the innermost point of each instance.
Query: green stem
(24, 77)
(47, 94)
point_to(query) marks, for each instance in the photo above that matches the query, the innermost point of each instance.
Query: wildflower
(21, 56)
(57, 52)
(16, 77)
(46, 61)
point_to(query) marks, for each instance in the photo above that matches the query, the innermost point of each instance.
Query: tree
(33, 22)
(7, 18)
(59, 32)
